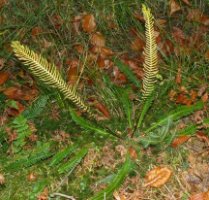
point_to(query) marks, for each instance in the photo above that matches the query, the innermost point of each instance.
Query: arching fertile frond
(48, 73)
(150, 52)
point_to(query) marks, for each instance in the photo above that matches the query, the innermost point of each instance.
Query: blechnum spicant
(49, 74)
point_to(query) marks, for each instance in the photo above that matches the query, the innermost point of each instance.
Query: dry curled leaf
(3, 77)
(103, 109)
(157, 176)
(132, 153)
(98, 40)
(44, 195)
(179, 140)
(200, 196)
(174, 6)
(36, 31)
(202, 136)
(72, 71)
(137, 44)
(18, 93)
(15, 111)
(196, 15)
(88, 23)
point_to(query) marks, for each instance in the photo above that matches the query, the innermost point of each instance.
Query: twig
(62, 195)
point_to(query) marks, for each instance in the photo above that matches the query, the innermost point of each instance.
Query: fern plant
(150, 52)
(21, 127)
(49, 74)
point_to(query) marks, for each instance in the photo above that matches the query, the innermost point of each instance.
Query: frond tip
(150, 52)
(48, 73)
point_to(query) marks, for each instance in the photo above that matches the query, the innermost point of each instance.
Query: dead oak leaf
(200, 196)
(174, 7)
(88, 23)
(196, 15)
(3, 77)
(157, 177)
(97, 39)
(179, 140)
(18, 93)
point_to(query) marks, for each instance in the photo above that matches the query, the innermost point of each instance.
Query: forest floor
(82, 38)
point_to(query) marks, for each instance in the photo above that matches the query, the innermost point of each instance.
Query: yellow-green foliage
(150, 52)
(48, 73)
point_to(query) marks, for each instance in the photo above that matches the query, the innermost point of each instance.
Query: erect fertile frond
(150, 52)
(48, 73)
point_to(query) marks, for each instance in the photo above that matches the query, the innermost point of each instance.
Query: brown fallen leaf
(102, 108)
(36, 31)
(56, 21)
(44, 195)
(196, 15)
(132, 153)
(137, 44)
(179, 140)
(88, 23)
(3, 3)
(202, 136)
(157, 177)
(79, 48)
(200, 196)
(174, 7)
(97, 39)
(3, 77)
(11, 111)
(72, 71)
(18, 93)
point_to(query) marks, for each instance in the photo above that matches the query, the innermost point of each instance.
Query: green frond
(61, 155)
(36, 108)
(41, 153)
(48, 73)
(178, 113)
(21, 127)
(88, 125)
(72, 163)
(116, 183)
(150, 52)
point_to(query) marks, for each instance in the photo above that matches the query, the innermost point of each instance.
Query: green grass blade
(127, 71)
(117, 181)
(146, 105)
(180, 112)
